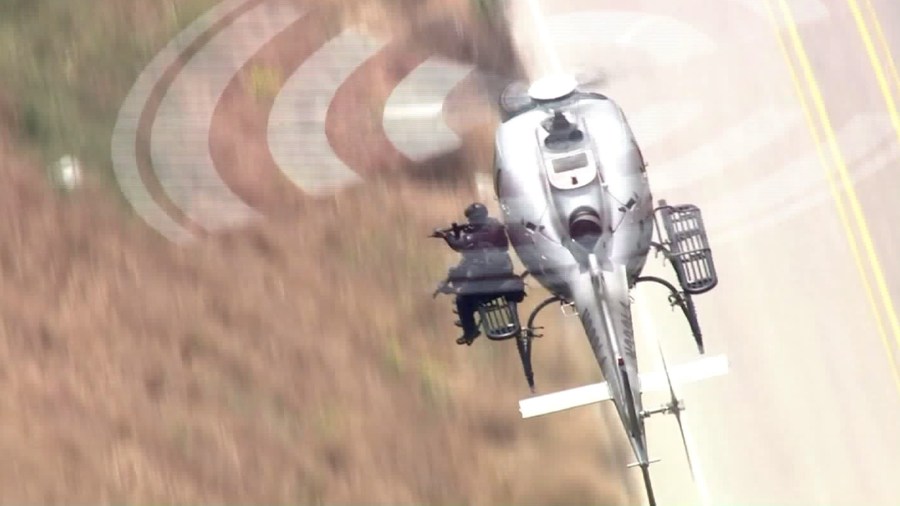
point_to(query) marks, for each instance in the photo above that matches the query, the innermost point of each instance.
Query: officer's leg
(466, 306)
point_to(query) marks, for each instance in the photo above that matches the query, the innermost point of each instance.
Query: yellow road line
(849, 190)
(895, 120)
(882, 41)
(876, 63)
(842, 211)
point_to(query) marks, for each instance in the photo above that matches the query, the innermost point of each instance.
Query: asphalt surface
(801, 211)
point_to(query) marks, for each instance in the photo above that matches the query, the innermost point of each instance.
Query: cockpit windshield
(563, 134)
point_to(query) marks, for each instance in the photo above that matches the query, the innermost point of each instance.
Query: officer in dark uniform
(486, 269)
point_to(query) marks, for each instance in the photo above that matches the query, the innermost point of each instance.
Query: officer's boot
(467, 338)
(470, 329)
(465, 308)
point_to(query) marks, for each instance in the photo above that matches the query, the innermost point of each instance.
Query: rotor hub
(552, 87)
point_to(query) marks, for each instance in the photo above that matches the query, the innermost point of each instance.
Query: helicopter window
(568, 163)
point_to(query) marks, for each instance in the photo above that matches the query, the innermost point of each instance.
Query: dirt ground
(301, 360)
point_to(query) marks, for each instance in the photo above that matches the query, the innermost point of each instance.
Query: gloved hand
(444, 287)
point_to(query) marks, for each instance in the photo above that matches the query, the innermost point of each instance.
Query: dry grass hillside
(283, 364)
(299, 361)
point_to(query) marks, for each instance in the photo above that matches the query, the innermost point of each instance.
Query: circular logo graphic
(259, 93)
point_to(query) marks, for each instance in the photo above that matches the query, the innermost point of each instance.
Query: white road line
(180, 138)
(422, 131)
(296, 128)
(650, 331)
(124, 138)
(717, 154)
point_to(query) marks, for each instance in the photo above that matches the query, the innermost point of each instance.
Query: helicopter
(575, 198)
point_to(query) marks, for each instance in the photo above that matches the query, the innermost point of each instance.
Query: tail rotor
(675, 407)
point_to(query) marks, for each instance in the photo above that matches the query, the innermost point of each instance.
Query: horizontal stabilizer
(565, 399)
(700, 369)
(703, 368)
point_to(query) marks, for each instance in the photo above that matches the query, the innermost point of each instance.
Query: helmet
(476, 212)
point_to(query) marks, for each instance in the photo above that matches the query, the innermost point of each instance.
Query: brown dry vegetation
(298, 361)
(295, 362)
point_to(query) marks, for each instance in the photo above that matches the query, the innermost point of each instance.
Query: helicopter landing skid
(685, 302)
(526, 335)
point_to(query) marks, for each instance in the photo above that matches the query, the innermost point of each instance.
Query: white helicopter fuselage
(579, 214)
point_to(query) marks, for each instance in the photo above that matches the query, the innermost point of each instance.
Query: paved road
(799, 206)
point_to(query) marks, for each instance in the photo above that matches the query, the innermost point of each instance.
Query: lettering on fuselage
(594, 338)
(627, 331)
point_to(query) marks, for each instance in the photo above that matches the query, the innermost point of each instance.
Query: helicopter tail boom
(696, 370)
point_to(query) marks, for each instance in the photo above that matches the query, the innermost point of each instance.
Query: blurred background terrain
(298, 360)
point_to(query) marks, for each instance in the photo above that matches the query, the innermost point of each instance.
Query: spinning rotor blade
(676, 410)
(587, 79)
(590, 79)
(512, 94)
